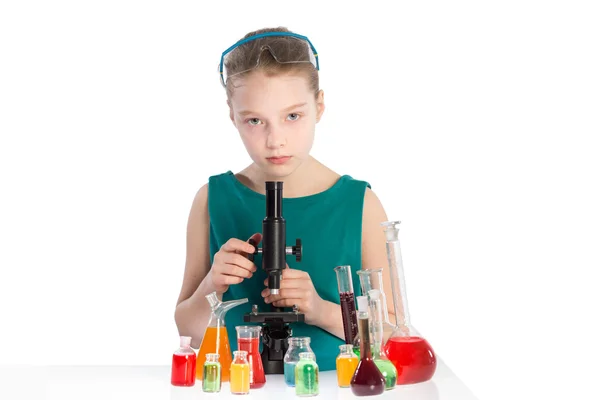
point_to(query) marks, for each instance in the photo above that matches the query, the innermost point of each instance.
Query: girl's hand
(231, 265)
(296, 288)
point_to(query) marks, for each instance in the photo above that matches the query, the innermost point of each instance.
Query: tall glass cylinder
(346, 290)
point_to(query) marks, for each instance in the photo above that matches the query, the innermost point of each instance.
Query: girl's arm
(374, 255)
(193, 311)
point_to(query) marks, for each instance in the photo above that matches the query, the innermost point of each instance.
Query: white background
(477, 125)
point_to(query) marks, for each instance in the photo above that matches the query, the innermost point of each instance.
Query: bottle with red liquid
(368, 379)
(346, 290)
(183, 368)
(410, 353)
(248, 340)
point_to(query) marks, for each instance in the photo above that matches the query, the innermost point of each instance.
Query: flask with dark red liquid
(410, 353)
(368, 379)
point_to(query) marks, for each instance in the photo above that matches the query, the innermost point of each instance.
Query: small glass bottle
(239, 375)
(183, 367)
(296, 345)
(345, 365)
(307, 375)
(367, 380)
(211, 374)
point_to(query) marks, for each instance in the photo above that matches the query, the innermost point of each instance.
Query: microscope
(275, 323)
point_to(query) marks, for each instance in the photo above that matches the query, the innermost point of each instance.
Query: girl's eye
(254, 121)
(297, 116)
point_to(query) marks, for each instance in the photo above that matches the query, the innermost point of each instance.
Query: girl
(272, 85)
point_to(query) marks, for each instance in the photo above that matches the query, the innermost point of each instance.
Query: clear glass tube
(388, 370)
(397, 276)
(373, 279)
(346, 290)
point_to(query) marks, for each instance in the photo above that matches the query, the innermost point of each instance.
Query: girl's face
(276, 119)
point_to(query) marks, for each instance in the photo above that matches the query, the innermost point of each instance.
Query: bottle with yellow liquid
(239, 375)
(345, 365)
(215, 338)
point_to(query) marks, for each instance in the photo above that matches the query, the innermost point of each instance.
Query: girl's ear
(320, 104)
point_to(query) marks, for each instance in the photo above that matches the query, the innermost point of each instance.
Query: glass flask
(367, 379)
(296, 345)
(348, 305)
(412, 355)
(307, 375)
(183, 367)
(345, 365)
(211, 374)
(388, 370)
(248, 340)
(373, 279)
(239, 374)
(215, 338)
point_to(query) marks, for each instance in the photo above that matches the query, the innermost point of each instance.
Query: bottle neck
(398, 284)
(363, 331)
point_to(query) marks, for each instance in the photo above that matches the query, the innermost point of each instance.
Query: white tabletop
(154, 382)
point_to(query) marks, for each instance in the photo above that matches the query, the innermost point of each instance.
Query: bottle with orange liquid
(345, 365)
(410, 353)
(239, 377)
(215, 338)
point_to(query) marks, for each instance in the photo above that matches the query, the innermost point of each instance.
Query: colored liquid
(388, 371)
(257, 372)
(183, 370)
(289, 373)
(209, 345)
(345, 368)
(349, 316)
(367, 380)
(307, 378)
(356, 350)
(240, 378)
(212, 377)
(413, 358)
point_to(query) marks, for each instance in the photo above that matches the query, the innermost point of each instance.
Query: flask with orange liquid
(215, 338)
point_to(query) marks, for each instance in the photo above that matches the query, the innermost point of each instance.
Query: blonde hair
(240, 59)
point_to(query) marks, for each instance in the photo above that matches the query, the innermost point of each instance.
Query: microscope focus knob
(250, 256)
(297, 250)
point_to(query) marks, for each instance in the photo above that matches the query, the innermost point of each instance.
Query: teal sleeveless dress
(329, 224)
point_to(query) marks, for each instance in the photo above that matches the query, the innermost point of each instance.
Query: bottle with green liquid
(211, 374)
(307, 375)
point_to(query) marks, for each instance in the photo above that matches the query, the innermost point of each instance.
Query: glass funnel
(412, 355)
(388, 370)
(373, 279)
(215, 338)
